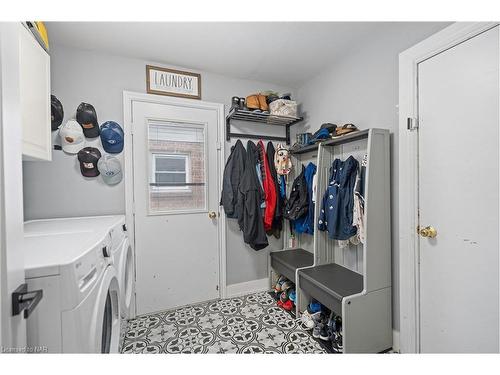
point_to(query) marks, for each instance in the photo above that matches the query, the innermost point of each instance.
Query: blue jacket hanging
(305, 224)
(338, 201)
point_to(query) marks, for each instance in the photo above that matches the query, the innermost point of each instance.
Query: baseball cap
(72, 138)
(56, 112)
(87, 118)
(110, 169)
(112, 137)
(88, 158)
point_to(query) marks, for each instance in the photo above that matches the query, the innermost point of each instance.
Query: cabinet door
(34, 86)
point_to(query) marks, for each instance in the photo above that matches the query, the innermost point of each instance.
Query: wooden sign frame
(182, 78)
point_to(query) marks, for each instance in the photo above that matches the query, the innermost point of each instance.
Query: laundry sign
(164, 81)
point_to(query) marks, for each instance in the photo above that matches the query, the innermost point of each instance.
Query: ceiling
(284, 53)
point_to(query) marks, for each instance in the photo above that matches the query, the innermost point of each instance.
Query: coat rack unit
(264, 118)
(355, 281)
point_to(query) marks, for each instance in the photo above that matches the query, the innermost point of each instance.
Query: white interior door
(175, 159)
(458, 196)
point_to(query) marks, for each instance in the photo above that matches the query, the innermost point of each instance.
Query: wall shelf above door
(264, 118)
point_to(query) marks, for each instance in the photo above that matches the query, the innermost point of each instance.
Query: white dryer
(80, 309)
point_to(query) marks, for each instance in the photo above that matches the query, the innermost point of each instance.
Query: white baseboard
(395, 341)
(248, 287)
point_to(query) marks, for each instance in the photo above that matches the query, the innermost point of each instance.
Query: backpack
(298, 204)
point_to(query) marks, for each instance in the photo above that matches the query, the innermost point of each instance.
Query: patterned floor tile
(250, 324)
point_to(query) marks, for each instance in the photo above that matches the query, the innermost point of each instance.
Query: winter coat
(269, 188)
(277, 225)
(338, 201)
(305, 224)
(297, 204)
(250, 197)
(233, 173)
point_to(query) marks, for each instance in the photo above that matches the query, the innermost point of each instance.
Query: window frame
(187, 172)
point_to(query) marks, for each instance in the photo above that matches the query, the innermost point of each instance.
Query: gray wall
(362, 88)
(57, 189)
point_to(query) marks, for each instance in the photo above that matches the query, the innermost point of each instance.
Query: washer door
(126, 268)
(106, 319)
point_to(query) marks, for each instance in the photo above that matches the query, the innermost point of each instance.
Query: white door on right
(458, 101)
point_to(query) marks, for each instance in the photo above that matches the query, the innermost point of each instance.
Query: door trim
(128, 100)
(408, 171)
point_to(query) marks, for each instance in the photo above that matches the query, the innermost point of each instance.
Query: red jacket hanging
(269, 189)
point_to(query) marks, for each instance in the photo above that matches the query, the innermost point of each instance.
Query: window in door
(177, 167)
(170, 172)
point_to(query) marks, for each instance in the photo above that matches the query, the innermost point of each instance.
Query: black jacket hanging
(298, 203)
(250, 198)
(233, 173)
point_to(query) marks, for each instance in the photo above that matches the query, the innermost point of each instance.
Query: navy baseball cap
(112, 137)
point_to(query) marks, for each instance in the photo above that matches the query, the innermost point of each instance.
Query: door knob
(428, 231)
(212, 215)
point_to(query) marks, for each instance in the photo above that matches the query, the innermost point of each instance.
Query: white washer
(80, 309)
(123, 259)
(124, 263)
(122, 256)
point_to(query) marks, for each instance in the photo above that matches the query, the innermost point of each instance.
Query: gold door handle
(212, 215)
(428, 231)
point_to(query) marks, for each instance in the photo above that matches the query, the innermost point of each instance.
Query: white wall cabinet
(34, 90)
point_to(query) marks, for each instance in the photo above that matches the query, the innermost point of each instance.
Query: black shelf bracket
(260, 117)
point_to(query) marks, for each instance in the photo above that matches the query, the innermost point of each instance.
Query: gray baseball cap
(111, 169)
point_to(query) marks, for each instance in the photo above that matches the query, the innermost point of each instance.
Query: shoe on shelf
(279, 283)
(323, 333)
(323, 323)
(337, 344)
(307, 320)
(332, 334)
(338, 323)
(252, 102)
(263, 102)
(288, 305)
(344, 129)
(317, 317)
(283, 297)
(287, 285)
(235, 103)
(319, 324)
(317, 330)
(314, 307)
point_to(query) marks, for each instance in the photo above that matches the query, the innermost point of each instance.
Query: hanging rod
(256, 136)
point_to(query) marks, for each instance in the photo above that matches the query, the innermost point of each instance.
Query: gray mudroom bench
(353, 281)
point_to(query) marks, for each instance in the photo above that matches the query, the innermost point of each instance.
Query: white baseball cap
(110, 169)
(72, 139)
